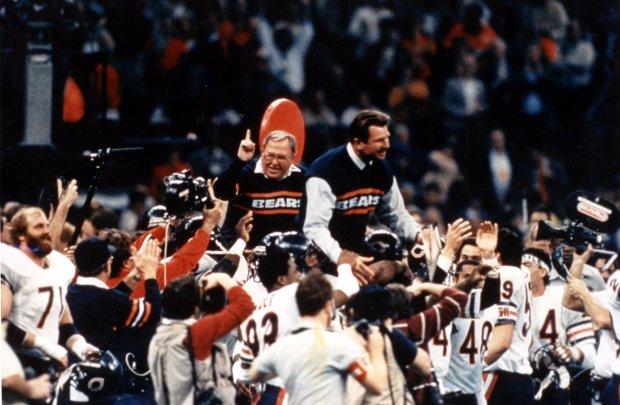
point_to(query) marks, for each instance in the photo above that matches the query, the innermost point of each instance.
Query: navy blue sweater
(111, 320)
(274, 203)
(358, 194)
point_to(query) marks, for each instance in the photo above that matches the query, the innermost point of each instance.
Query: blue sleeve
(405, 351)
(225, 188)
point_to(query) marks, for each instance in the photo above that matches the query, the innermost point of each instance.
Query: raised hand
(577, 287)
(486, 237)
(147, 260)
(246, 148)
(458, 231)
(212, 216)
(244, 227)
(69, 195)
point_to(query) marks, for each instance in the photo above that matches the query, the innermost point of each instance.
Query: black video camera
(590, 219)
(185, 194)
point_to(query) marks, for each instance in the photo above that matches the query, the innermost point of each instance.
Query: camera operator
(182, 262)
(372, 306)
(183, 343)
(561, 259)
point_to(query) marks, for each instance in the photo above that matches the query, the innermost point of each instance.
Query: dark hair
(180, 297)
(372, 303)
(464, 263)
(313, 292)
(466, 242)
(272, 266)
(364, 119)
(542, 256)
(509, 247)
(121, 240)
(400, 301)
(104, 218)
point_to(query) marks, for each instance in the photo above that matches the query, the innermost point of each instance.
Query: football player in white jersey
(277, 314)
(561, 337)
(507, 371)
(470, 333)
(36, 277)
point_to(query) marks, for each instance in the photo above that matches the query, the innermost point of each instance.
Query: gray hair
(279, 136)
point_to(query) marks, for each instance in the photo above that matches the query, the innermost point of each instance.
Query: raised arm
(66, 199)
(225, 187)
(573, 301)
(578, 289)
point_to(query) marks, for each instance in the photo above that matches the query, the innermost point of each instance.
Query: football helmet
(384, 245)
(293, 243)
(98, 376)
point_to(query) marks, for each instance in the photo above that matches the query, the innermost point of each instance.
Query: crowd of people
(402, 261)
(305, 286)
(526, 82)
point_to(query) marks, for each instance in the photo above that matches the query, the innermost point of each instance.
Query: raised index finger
(247, 135)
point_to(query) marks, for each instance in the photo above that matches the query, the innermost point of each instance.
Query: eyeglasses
(269, 157)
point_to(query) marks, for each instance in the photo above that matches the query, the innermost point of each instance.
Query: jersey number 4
(469, 344)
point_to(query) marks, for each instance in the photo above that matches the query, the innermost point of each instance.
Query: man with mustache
(36, 278)
(349, 183)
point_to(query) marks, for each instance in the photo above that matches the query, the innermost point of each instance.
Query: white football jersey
(38, 293)
(439, 348)
(608, 347)
(552, 322)
(468, 339)
(275, 316)
(611, 300)
(515, 307)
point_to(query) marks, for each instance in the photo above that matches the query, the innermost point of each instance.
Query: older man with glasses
(270, 187)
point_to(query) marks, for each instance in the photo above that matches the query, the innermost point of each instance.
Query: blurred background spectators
(493, 102)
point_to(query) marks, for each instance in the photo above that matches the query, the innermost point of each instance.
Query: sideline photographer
(183, 344)
(372, 306)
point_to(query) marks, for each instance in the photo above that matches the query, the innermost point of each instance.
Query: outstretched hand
(359, 266)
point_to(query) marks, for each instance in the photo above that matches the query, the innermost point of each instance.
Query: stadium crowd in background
(430, 252)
